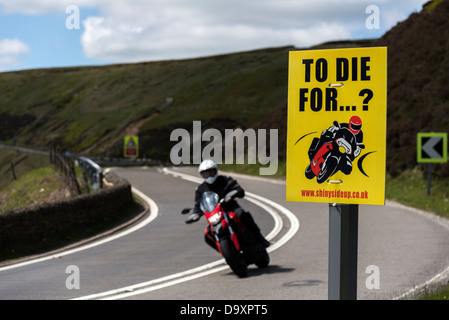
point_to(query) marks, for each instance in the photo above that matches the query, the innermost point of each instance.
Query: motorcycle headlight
(215, 218)
(344, 146)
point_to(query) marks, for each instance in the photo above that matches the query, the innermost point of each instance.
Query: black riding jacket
(221, 186)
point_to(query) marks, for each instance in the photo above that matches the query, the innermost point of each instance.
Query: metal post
(429, 177)
(13, 171)
(343, 245)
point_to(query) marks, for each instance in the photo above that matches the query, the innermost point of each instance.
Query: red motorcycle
(235, 244)
(332, 152)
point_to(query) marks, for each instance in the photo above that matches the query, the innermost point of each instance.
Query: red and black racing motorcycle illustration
(335, 150)
(236, 244)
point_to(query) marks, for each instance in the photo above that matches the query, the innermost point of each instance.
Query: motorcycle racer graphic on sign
(334, 95)
(335, 150)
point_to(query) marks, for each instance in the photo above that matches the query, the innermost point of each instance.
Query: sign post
(336, 145)
(431, 148)
(343, 245)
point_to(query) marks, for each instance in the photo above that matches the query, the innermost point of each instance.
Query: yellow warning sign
(131, 147)
(336, 141)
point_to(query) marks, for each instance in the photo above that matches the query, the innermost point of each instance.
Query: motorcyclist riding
(223, 185)
(354, 126)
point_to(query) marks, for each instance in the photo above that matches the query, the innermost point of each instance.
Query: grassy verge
(13, 163)
(439, 294)
(37, 186)
(410, 188)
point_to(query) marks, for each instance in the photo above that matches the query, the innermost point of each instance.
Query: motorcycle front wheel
(233, 258)
(329, 169)
(309, 173)
(263, 259)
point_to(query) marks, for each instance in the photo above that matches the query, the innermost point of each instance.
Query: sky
(67, 33)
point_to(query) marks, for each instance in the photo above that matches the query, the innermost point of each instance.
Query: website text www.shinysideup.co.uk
(322, 193)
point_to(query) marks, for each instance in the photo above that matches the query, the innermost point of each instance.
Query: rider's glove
(357, 152)
(194, 217)
(230, 195)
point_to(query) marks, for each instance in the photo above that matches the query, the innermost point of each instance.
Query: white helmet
(208, 170)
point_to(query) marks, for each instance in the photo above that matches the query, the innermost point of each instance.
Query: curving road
(163, 258)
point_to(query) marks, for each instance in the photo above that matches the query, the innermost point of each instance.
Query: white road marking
(209, 268)
(153, 214)
(442, 277)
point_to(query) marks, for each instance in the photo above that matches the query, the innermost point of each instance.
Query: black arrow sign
(432, 148)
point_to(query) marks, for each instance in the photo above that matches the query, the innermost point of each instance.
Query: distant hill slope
(418, 86)
(89, 109)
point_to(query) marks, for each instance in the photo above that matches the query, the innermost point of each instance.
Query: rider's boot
(264, 242)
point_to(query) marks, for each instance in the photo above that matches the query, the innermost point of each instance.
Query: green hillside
(89, 109)
(418, 91)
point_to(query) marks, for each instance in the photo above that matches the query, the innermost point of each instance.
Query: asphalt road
(163, 258)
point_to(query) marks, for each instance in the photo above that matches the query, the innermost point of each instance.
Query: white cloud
(10, 51)
(174, 29)
(46, 6)
(138, 30)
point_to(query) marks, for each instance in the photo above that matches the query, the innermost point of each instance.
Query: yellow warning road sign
(131, 147)
(336, 142)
